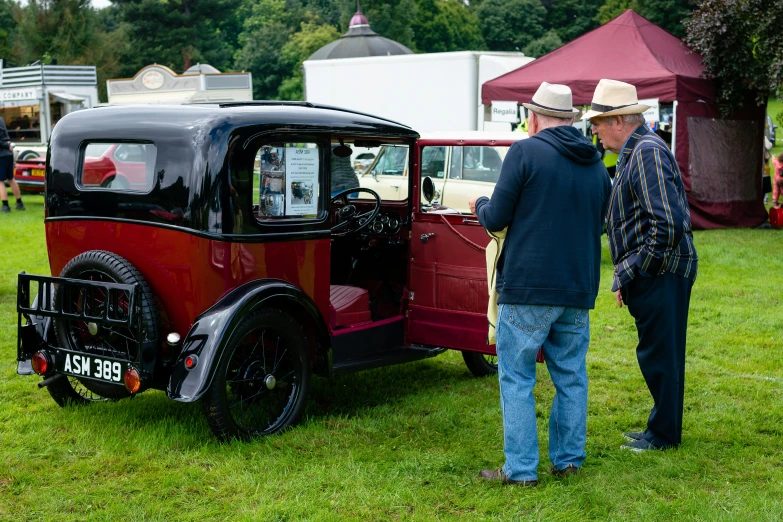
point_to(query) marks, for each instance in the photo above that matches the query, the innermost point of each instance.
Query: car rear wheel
(261, 383)
(101, 340)
(481, 364)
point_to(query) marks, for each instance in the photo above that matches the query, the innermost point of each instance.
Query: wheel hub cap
(270, 382)
(92, 328)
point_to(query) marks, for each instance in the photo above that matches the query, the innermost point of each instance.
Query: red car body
(30, 174)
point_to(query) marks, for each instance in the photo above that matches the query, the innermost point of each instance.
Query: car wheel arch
(213, 330)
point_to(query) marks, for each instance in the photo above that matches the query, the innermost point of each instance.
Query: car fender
(212, 331)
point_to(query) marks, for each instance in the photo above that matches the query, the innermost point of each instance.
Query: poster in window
(301, 187)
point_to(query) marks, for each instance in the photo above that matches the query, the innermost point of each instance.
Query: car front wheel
(261, 383)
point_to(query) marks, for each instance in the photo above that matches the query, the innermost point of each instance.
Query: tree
(571, 18)
(445, 25)
(741, 44)
(7, 32)
(546, 44)
(299, 47)
(510, 25)
(179, 33)
(668, 14)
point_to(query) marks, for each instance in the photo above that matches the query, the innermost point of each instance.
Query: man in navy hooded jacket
(552, 197)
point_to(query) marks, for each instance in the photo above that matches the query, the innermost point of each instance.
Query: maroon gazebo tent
(720, 159)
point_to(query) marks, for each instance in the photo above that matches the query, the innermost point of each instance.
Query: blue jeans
(564, 334)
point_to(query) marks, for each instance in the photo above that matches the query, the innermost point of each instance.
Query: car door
(448, 292)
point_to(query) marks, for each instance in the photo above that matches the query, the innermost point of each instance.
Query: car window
(455, 170)
(126, 167)
(433, 162)
(286, 181)
(129, 152)
(481, 163)
(391, 161)
(387, 174)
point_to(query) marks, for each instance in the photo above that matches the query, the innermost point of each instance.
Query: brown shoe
(497, 474)
(565, 472)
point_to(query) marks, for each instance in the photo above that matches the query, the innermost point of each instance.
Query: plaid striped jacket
(649, 223)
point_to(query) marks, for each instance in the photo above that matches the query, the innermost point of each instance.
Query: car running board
(399, 355)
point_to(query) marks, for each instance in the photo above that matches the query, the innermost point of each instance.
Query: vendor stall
(34, 98)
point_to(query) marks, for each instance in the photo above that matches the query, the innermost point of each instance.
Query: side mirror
(428, 188)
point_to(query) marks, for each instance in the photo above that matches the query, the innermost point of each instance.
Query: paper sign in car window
(301, 184)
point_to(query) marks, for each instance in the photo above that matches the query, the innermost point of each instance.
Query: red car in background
(29, 174)
(115, 165)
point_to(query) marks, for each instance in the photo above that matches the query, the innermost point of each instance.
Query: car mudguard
(212, 331)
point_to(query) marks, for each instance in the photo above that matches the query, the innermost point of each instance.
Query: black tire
(98, 265)
(69, 391)
(481, 364)
(243, 402)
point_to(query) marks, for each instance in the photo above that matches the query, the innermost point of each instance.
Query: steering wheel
(349, 219)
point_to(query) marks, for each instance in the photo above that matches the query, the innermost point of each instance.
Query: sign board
(653, 113)
(9, 95)
(504, 111)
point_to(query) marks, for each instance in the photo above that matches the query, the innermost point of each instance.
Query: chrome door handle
(426, 237)
(466, 220)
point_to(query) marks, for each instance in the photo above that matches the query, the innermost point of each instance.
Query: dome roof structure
(358, 42)
(201, 68)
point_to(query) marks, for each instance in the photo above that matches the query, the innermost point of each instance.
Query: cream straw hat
(553, 100)
(613, 98)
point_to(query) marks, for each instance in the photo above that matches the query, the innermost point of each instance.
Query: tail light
(41, 363)
(132, 380)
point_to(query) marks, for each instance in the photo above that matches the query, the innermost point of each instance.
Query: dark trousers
(660, 307)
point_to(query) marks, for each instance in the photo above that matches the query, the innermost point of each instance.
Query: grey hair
(633, 119)
(546, 122)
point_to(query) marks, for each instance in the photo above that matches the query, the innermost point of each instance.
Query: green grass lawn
(406, 442)
(774, 108)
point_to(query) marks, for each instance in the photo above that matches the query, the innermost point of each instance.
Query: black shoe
(633, 435)
(641, 445)
(565, 472)
(19, 205)
(5, 208)
(499, 475)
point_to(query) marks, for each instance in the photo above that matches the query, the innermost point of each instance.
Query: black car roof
(111, 121)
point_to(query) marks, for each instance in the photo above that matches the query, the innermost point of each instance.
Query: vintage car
(29, 174)
(462, 165)
(222, 271)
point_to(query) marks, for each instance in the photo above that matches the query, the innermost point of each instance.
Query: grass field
(406, 442)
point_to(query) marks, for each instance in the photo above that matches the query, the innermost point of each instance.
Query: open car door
(448, 275)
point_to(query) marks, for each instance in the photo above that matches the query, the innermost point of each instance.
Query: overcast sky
(100, 3)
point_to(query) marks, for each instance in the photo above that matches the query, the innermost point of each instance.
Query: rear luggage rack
(29, 340)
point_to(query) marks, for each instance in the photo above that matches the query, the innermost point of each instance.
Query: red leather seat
(348, 305)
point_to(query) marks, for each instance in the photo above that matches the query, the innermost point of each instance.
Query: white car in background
(462, 165)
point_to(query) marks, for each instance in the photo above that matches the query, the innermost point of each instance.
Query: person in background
(651, 243)
(551, 196)
(343, 174)
(777, 179)
(7, 171)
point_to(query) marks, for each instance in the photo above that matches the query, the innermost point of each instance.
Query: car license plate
(37, 172)
(94, 367)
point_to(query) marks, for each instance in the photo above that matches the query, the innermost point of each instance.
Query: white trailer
(34, 98)
(428, 92)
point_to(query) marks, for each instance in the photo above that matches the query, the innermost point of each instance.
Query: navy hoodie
(552, 194)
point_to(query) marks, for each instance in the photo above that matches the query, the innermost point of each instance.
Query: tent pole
(674, 130)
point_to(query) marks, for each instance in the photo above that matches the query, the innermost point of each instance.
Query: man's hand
(619, 296)
(472, 205)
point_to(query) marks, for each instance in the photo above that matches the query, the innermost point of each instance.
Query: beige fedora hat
(614, 98)
(553, 100)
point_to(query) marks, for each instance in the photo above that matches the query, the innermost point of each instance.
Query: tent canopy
(630, 48)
